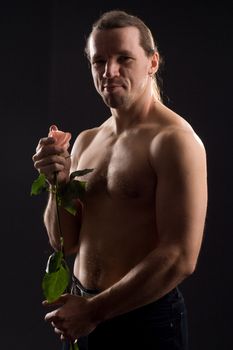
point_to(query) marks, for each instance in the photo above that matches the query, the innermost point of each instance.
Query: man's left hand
(73, 318)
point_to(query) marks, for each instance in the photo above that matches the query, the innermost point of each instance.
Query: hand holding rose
(52, 155)
(74, 316)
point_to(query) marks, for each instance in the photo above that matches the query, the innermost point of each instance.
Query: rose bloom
(61, 138)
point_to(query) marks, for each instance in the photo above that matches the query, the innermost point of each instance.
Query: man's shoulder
(170, 124)
(173, 135)
(86, 136)
(83, 140)
(169, 120)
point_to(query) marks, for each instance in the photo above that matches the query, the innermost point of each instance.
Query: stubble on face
(113, 100)
(113, 97)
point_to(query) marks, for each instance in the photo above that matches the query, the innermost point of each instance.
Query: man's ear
(154, 64)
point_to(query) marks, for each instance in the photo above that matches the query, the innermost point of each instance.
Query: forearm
(156, 275)
(69, 226)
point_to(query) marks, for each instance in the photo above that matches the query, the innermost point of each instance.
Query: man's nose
(111, 69)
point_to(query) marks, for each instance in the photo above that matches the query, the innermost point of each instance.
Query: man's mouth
(111, 87)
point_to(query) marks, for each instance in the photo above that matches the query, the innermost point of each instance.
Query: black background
(45, 79)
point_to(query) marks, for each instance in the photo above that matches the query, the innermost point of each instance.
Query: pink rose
(61, 138)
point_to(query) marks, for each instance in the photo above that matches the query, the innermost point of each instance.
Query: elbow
(181, 265)
(54, 244)
(69, 248)
(189, 270)
(185, 267)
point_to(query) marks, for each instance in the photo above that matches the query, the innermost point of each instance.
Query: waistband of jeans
(78, 289)
(174, 294)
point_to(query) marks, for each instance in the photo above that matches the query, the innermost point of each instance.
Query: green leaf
(71, 208)
(54, 262)
(67, 196)
(39, 185)
(80, 173)
(74, 190)
(54, 284)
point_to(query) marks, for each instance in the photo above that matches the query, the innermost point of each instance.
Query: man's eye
(124, 59)
(98, 62)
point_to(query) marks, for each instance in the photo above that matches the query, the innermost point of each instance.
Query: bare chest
(121, 168)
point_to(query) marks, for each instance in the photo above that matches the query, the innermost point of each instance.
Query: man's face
(119, 66)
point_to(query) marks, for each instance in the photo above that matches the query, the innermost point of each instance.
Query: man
(139, 229)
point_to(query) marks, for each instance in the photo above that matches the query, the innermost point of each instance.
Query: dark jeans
(161, 325)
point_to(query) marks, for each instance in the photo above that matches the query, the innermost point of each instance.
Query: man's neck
(127, 118)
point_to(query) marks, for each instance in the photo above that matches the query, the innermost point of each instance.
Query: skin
(139, 230)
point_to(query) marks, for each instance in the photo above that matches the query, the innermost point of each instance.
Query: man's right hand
(50, 157)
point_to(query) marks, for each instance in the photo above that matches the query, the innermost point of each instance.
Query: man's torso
(119, 212)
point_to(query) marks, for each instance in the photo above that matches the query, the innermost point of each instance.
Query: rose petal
(61, 138)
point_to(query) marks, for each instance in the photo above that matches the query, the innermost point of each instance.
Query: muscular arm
(70, 225)
(178, 159)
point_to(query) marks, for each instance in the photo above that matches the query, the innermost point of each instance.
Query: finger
(59, 324)
(49, 171)
(45, 141)
(40, 162)
(65, 337)
(62, 337)
(58, 331)
(47, 150)
(53, 316)
(63, 334)
(47, 157)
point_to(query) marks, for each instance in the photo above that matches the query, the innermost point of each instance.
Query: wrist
(98, 312)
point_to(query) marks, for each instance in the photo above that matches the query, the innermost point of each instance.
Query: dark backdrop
(45, 79)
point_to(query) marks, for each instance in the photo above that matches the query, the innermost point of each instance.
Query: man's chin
(114, 102)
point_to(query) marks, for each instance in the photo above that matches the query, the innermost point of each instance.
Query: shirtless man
(140, 226)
